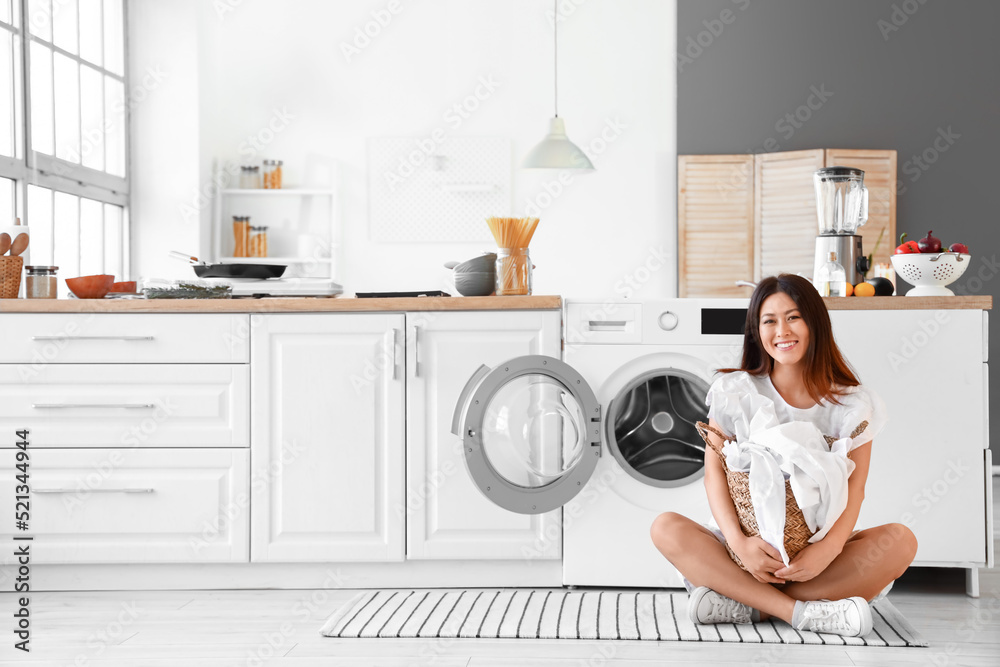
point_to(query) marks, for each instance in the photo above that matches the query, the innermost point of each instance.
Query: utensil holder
(513, 272)
(10, 276)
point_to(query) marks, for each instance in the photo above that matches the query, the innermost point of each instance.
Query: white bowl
(930, 272)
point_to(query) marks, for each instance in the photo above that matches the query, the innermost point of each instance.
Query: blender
(841, 207)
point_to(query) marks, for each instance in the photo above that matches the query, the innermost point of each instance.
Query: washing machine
(607, 433)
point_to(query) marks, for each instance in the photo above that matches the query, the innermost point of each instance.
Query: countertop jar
(513, 272)
(40, 282)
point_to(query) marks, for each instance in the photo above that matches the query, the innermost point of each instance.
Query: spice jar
(241, 235)
(41, 282)
(513, 272)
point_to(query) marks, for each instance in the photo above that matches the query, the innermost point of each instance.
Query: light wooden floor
(280, 628)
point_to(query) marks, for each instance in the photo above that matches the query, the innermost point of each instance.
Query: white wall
(616, 66)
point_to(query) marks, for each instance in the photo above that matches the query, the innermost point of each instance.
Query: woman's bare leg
(870, 561)
(703, 560)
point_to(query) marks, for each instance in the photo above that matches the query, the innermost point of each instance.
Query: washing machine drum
(650, 428)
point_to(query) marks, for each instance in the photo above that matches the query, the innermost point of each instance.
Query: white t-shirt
(727, 401)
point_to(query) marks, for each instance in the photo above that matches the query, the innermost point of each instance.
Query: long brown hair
(826, 370)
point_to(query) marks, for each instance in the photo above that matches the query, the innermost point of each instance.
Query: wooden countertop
(984, 302)
(350, 304)
(279, 305)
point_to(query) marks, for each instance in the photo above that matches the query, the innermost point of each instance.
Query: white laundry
(797, 451)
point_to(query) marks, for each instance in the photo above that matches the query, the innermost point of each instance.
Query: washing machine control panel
(668, 321)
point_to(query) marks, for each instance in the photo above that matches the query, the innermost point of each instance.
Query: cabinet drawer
(134, 506)
(127, 405)
(40, 339)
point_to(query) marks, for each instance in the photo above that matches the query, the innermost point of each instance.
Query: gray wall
(918, 76)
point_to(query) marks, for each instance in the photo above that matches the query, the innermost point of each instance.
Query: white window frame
(48, 171)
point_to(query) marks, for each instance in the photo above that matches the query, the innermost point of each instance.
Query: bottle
(831, 279)
(241, 236)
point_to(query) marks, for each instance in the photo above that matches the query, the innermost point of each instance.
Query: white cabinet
(929, 463)
(135, 505)
(327, 428)
(126, 405)
(447, 516)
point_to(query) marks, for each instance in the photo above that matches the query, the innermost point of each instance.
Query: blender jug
(841, 200)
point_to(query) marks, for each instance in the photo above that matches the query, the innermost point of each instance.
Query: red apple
(959, 247)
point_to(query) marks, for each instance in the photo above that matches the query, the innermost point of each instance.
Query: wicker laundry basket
(797, 532)
(10, 276)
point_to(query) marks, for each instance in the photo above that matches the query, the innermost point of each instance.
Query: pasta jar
(241, 235)
(258, 243)
(40, 282)
(513, 272)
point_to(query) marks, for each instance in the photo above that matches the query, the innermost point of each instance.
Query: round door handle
(668, 321)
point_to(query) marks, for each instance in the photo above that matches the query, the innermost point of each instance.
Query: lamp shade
(556, 151)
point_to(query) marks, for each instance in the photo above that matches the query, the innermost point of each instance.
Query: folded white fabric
(796, 451)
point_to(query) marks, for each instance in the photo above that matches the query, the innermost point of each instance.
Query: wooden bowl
(90, 287)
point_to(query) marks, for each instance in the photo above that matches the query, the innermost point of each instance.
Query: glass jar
(41, 282)
(255, 177)
(276, 178)
(246, 173)
(258, 242)
(513, 272)
(272, 174)
(241, 235)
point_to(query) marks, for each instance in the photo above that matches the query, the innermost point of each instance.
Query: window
(64, 131)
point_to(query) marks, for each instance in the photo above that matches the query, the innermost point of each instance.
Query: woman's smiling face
(783, 332)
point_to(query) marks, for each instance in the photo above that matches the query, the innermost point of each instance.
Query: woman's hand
(809, 562)
(760, 559)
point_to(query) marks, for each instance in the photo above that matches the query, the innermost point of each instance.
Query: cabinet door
(327, 437)
(447, 516)
(133, 505)
(880, 179)
(927, 465)
(785, 218)
(714, 224)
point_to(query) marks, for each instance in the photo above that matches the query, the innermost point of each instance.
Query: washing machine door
(531, 432)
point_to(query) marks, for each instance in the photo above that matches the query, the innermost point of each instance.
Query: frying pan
(205, 270)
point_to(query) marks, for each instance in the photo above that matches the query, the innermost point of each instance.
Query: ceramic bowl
(481, 283)
(90, 287)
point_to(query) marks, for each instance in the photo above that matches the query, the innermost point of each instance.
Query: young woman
(790, 361)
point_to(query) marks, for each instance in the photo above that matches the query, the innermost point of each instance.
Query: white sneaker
(707, 606)
(850, 617)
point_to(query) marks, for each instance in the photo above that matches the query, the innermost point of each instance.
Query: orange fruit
(864, 289)
(850, 289)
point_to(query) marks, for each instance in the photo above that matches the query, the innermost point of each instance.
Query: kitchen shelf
(293, 216)
(262, 192)
(274, 260)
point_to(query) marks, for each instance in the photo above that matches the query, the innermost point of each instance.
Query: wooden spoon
(19, 245)
(4, 243)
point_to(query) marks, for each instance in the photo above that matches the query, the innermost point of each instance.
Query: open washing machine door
(531, 432)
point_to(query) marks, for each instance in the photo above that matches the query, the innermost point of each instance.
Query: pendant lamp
(556, 151)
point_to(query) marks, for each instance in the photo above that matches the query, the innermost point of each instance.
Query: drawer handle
(126, 406)
(92, 337)
(130, 490)
(607, 324)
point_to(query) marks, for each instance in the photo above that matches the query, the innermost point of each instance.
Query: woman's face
(782, 330)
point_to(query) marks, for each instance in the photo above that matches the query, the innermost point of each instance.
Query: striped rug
(560, 614)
